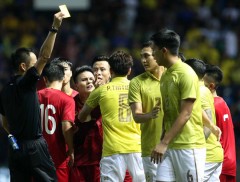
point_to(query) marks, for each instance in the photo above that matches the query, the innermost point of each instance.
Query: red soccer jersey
(224, 122)
(56, 107)
(88, 139)
(74, 93)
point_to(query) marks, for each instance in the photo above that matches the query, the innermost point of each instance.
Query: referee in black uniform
(20, 111)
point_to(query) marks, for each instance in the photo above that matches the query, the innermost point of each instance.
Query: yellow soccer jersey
(177, 83)
(120, 132)
(214, 148)
(145, 89)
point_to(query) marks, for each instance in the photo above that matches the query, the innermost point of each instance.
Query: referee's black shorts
(32, 162)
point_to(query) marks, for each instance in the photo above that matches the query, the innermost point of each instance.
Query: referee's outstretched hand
(57, 21)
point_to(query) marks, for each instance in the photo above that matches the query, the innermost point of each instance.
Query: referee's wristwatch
(53, 30)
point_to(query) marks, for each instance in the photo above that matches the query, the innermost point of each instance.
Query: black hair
(216, 73)
(53, 72)
(120, 62)
(147, 44)
(61, 60)
(198, 66)
(167, 38)
(81, 69)
(21, 55)
(100, 58)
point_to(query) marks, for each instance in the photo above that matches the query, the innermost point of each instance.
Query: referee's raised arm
(48, 44)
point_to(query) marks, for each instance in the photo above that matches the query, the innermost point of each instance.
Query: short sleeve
(69, 110)
(94, 97)
(188, 85)
(205, 98)
(134, 95)
(30, 79)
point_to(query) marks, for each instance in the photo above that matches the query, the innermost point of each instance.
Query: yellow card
(64, 10)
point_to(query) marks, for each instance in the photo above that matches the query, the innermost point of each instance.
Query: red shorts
(227, 178)
(62, 174)
(85, 173)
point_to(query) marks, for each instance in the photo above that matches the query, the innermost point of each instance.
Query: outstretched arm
(48, 44)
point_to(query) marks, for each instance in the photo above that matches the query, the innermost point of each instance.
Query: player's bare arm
(207, 116)
(68, 131)
(141, 117)
(48, 44)
(183, 117)
(83, 116)
(209, 126)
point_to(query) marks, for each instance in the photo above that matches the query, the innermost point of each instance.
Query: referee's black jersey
(19, 104)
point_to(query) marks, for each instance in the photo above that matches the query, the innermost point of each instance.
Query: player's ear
(129, 71)
(111, 72)
(212, 86)
(23, 67)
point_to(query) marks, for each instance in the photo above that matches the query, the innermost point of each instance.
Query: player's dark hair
(21, 55)
(215, 73)
(61, 60)
(80, 70)
(147, 44)
(198, 66)
(120, 62)
(99, 58)
(53, 72)
(168, 39)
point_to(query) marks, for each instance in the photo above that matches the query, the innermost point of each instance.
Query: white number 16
(45, 118)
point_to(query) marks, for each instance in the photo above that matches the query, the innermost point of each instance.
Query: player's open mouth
(89, 87)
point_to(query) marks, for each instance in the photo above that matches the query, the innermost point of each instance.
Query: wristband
(53, 29)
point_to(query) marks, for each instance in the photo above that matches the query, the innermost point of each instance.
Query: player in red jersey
(57, 117)
(88, 138)
(66, 88)
(68, 75)
(212, 79)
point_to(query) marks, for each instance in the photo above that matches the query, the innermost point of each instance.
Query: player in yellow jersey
(101, 70)
(121, 135)
(181, 152)
(145, 99)
(214, 155)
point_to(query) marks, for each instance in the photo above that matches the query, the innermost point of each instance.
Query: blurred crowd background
(209, 30)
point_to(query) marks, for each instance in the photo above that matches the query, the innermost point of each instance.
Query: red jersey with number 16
(56, 107)
(224, 122)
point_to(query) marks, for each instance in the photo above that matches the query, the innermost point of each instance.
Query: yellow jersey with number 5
(120, 132)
